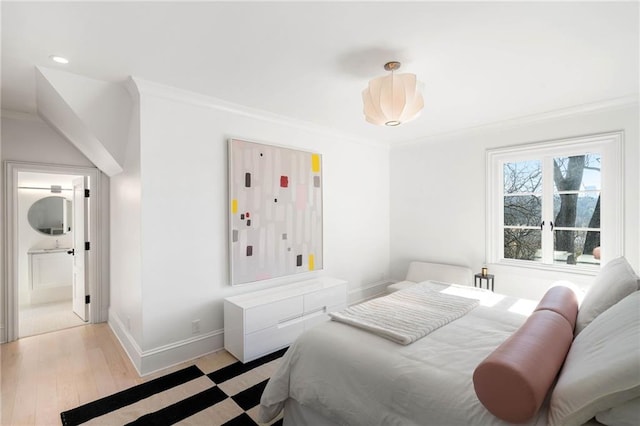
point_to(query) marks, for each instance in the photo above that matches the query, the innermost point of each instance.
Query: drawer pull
(320, 310)
(289, 319)
(301, 317)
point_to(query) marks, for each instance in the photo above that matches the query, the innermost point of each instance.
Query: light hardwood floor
(48, 317)
(44, 375)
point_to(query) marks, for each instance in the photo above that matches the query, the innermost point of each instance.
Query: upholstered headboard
(422, 271)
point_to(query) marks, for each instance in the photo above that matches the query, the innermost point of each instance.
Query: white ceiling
(480, 62)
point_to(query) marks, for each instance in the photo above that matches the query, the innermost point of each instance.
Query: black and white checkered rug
(227, 396)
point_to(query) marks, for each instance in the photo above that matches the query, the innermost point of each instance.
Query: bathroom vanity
(50, 274)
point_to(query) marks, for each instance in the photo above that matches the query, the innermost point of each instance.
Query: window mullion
(547, 209)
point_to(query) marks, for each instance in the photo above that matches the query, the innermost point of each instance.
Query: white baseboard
(363, 293)
(127, 341)
(150, 361)
(102, 315)
(183, 351)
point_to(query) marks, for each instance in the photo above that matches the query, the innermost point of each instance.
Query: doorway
(52, 244)
(46, 235)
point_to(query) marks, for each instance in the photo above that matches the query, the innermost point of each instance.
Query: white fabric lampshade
(392, 100)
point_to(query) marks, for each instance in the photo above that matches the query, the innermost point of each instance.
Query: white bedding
(353, 377)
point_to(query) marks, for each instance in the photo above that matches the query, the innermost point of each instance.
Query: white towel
(406, 315)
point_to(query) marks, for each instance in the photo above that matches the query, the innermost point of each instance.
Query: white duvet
(354, 377)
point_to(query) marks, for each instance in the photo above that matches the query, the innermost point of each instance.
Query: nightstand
(479, 279)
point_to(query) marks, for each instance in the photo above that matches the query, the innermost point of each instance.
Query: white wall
(438, 195)
(183, 216)
(27, 138)
(125, 311)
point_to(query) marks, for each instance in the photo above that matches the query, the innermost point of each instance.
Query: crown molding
(587, 108)
(149, 88)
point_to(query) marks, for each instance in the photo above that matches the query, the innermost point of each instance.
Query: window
(556, 204)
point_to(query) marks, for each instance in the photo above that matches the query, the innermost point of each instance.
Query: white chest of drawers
(261, 322)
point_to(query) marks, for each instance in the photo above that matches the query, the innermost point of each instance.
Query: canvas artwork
(275, 204)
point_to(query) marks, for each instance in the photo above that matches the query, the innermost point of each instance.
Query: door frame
(10, 283)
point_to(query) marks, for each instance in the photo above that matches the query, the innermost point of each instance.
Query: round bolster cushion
(561, 300)
(513, 381)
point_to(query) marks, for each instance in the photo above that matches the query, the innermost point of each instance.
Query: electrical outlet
(195, 326)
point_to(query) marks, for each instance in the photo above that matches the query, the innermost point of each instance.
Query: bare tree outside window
(556, 204)
(576, 209)
(522, 210)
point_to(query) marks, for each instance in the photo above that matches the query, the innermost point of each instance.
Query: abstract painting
(275, 207)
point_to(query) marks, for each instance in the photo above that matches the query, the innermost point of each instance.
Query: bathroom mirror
(51, 215)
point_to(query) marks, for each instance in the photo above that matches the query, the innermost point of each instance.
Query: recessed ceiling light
(59, 59)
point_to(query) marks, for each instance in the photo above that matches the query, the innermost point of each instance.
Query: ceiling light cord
(393, 66)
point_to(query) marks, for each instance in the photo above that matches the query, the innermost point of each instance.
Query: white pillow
(614, 282)
(602, 368)
(627, 414)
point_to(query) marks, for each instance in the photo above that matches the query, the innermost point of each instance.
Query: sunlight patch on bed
(523, 307)
(486, 298)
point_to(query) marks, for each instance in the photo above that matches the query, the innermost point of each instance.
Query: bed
(338, 374)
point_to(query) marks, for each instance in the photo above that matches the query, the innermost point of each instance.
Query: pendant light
(393, 99)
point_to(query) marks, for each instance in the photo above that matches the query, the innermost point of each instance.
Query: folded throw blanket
(406, 315)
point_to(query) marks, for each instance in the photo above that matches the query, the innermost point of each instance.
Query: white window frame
(610, 146)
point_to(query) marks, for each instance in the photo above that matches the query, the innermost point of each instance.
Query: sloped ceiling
(479, 62)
